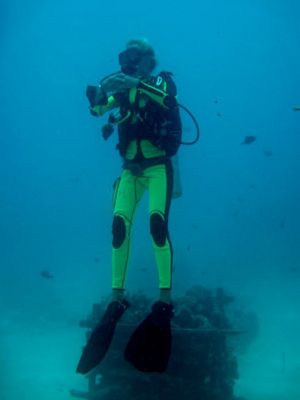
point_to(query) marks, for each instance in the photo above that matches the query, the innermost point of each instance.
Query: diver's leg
(118, 294)
(160, 193)
(128, 193)
(126, 196)
(149, 347)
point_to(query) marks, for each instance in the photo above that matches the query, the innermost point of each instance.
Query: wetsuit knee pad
(158, 229)
(118, 231)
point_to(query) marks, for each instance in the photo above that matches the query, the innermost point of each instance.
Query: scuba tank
(177, 186)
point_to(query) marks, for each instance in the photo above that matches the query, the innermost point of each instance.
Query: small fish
(296, 108)
(219, 115)
(216, 101)
(46, 275)
(188, 248)
(74, 179)
(240, 199)
(268, 153)
(249, 139)
(293, 269)
(282, 224)
(252, 186)
(96, 259)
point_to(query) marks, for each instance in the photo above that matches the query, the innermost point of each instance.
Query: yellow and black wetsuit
(148, 136)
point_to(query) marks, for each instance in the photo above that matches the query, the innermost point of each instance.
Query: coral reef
(203, 363)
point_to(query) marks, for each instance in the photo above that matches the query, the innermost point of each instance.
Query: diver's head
(138, 59)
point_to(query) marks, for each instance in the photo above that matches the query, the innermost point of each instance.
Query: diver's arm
(158, 95)
(100, 109)
(100, 103)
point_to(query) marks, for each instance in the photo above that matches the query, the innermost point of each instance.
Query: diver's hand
(119, 83)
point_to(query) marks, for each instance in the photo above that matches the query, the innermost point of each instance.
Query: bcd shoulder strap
(167, 77)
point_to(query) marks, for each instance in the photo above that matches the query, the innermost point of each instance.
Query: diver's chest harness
(139, 117)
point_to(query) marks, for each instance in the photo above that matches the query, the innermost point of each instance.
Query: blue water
(237, 67)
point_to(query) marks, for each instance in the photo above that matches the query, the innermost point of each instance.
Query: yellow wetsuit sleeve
(101, 109)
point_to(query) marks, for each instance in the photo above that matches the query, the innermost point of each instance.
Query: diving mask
(129, 60)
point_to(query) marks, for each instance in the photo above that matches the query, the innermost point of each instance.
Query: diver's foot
(149, 347)
(165, 296)
(101, 337)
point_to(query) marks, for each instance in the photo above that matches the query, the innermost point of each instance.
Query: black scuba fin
(149, 347)
(101, 337)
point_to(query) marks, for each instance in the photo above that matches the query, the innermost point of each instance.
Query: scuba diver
(147, 117)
